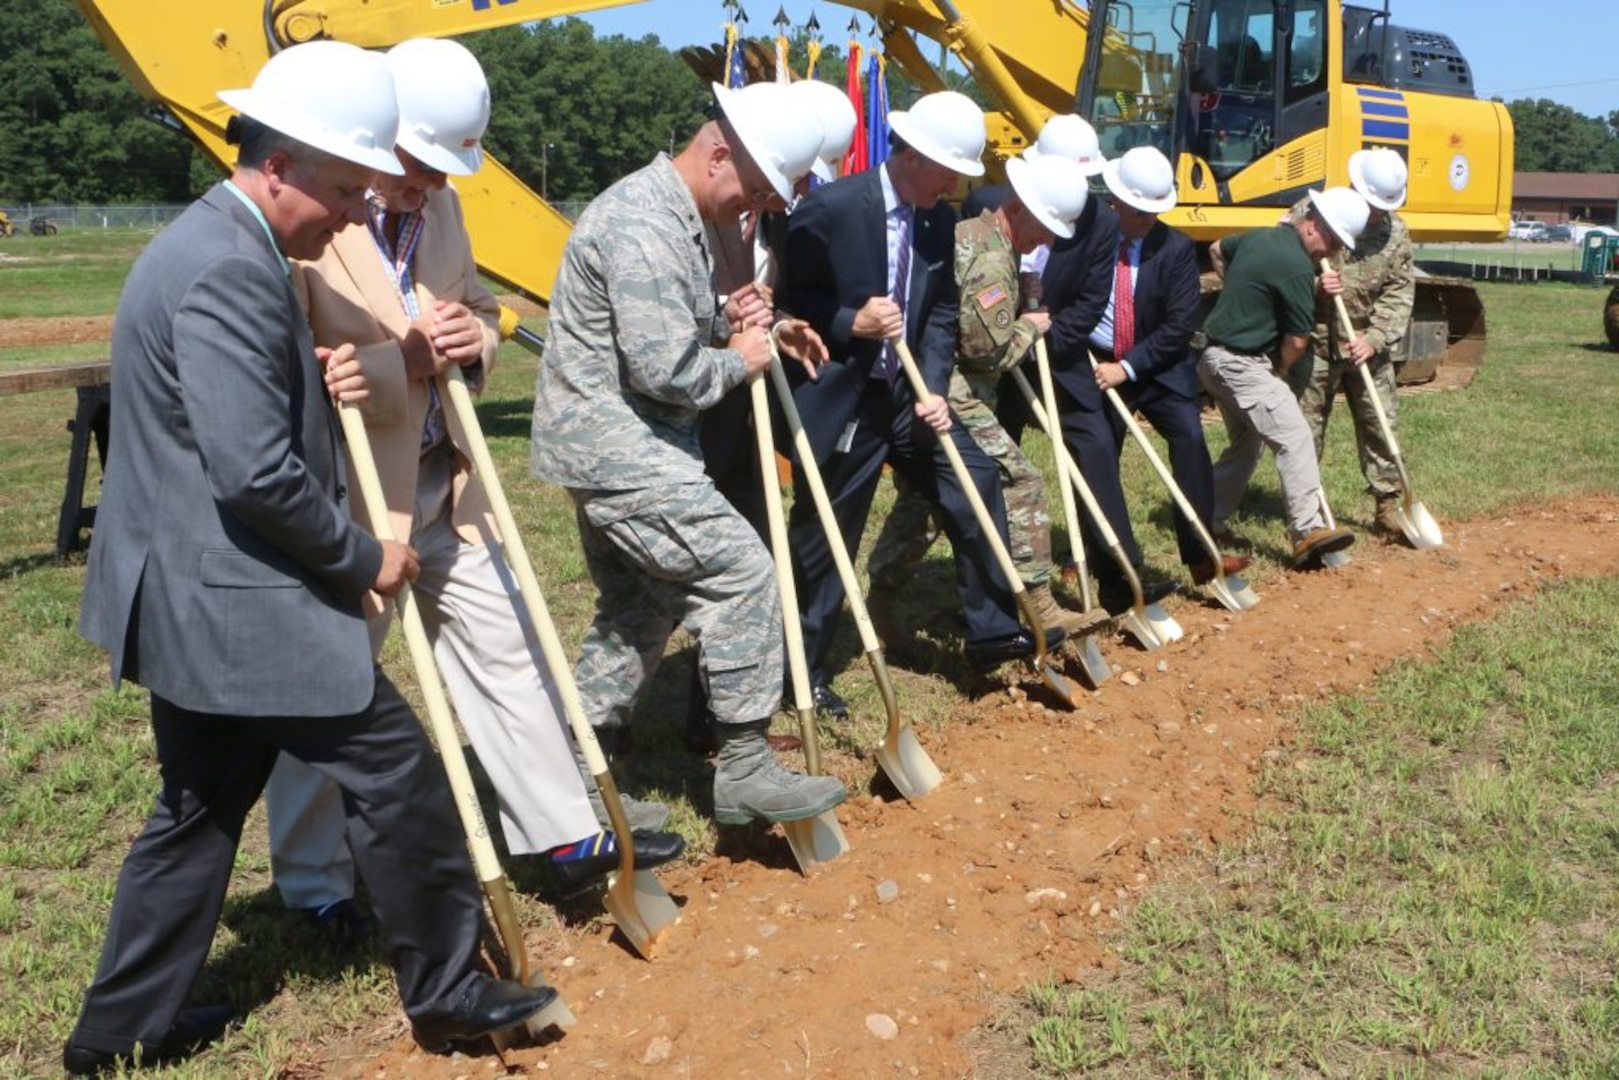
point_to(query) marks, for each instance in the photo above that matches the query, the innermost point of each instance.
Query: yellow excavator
(1255, 100)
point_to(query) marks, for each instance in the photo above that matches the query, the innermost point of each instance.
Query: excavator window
(1139, 76)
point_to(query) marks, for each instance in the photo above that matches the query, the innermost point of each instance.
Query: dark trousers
(1095, 433)
(731, 456)
(889, 433)
(408, 847)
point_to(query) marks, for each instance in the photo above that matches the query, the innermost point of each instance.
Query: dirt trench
(1048, 827)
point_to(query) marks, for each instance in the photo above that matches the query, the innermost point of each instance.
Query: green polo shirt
(1269, 291)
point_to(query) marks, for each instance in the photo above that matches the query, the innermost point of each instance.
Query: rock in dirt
(882, 1026)
(657, 1051)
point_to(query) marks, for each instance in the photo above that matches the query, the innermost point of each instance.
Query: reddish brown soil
(1048, 825)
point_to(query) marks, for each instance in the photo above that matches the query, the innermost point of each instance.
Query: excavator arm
(180, 53)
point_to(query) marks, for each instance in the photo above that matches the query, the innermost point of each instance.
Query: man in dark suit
(226, 577)
(1149, 276)
(869, 257)
(1126, 290)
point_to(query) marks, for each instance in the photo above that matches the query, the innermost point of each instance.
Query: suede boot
(643, 814)
(750, 784)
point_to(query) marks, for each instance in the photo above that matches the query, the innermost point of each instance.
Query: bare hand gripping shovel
(635, 899)
(1231, 590)
(1149, 624)
(820, 838)
(484, 860)
(1416, 522)
(1049, 675)
(900, 754)
(1091, 661)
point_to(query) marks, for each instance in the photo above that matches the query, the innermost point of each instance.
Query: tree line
(573, 113)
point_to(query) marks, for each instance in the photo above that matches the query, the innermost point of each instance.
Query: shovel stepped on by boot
(1413, 518)
(635, 899)
(749, 783)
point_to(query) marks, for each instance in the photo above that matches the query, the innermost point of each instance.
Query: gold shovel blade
(641, 909)
(1420, 527)
(1135, 623)
(1241, 592)
(908, 766)
(815, 840)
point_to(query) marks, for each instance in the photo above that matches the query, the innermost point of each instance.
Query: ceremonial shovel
(635, 899)
(1042, 664)
(1418, 525)
(1149, 624)
(900, 754)
(820, 838)
(1091, 661)
(484, 860)
(1232, 591)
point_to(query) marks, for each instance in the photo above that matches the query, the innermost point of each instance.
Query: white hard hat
(1142, 178)
(945, 127)
(443, 103)
(1379, 175)
(1344, 211)
(330, 95)
(1069, 136)
(836, 113)
(778, 131)
(1052, 188)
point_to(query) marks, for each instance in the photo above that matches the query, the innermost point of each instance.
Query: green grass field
(1435, 896)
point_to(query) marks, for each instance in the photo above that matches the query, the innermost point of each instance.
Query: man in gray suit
(226, 577)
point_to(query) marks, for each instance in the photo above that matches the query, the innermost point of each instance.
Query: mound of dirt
(1047, 828)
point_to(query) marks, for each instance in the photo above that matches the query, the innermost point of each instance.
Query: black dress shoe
(1122, 600)
(487, 1009)
(573, 875)
(1018, 646)
(829, 703)
(192, 1030)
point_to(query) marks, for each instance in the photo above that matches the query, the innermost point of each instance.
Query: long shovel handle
(1371, 392)
(901, 756)
(485, 862)
(1070, 511)
(1163, 472)
(834, 535)
(986, 523)
(455, 388)
(793, 630)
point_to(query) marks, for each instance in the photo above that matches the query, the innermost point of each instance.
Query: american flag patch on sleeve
(991, 296)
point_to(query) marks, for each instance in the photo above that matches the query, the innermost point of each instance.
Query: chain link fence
(92, 217)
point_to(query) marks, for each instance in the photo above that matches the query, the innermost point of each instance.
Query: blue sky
(1565, 50)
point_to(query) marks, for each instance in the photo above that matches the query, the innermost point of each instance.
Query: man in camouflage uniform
(1378, 286)
(992, 338)
(637, 347)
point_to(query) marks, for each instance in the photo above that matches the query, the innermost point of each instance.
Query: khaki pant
(498, 681)
(1260, 410)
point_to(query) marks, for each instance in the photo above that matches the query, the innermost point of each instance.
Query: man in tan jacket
(404, 289)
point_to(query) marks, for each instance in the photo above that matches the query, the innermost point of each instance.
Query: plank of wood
(57, 377)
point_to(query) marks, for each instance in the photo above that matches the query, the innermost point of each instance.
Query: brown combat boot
(1387, 520)
(1053, 615)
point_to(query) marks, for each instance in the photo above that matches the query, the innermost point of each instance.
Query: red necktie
(1124, 305)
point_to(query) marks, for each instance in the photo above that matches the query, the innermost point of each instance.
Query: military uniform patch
(991, 296)
(1003, 318)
